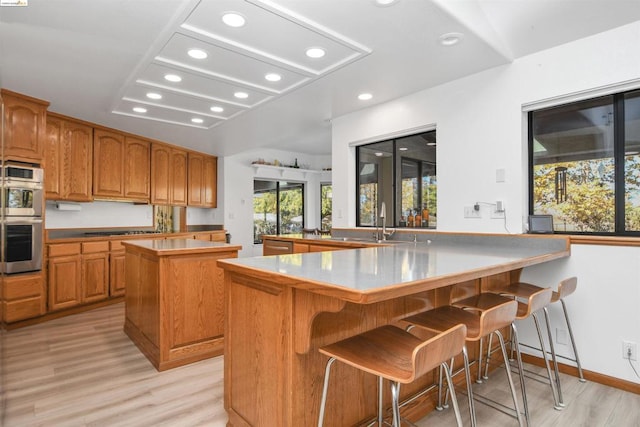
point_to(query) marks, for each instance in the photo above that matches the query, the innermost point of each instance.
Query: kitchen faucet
(383, 216)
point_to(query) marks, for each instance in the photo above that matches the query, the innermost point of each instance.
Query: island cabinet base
(174, 304)
(273, 370)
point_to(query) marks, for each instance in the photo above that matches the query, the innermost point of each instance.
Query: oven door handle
(18, 221)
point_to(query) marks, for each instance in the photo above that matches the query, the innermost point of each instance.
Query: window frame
(619, 147)
(277, 199)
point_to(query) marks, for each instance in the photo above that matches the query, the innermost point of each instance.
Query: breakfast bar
(280, 309)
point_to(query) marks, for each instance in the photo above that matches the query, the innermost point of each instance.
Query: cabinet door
(178, 178)
(210, 179)
(137, 169)
(196, 184)
(95, 277)
(24, 127)
(77, 161)
(160, 174)
(64, 278)
(53, 155)
(108, 164)
(116, 273)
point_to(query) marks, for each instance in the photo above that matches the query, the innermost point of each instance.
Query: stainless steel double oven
(21, 218)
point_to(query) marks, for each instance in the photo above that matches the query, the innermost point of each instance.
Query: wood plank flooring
(82, 370)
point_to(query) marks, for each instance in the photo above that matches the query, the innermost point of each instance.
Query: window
(326, 195)
(401, 173)
(278, 208)
(585, 165)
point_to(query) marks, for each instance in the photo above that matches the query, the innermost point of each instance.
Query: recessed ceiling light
(273, 77)
(154, 95)
(217, 109)
(233, 19)
(315, 52)
(403, 148)
(379, 154)
(197, 120)
(241, 95)
(430, 144)
(384, 2)
(197, 53)
(139, 110)
(173, 78)
(450, 39)
(365, 96)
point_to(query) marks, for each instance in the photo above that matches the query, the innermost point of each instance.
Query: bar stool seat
(393, 354)
(479, 323)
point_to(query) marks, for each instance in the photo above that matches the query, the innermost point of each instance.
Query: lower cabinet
(77, 273)
(116, 268)
(24, 297)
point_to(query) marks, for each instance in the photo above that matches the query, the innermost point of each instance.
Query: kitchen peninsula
(280, 309)
(174, 299)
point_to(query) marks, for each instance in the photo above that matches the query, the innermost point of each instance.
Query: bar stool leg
(554, 358)
(395, 397)
(556, 405)
(325, 388)
(523, 388)
(380, 384)
(472, 408)
(488, 359)
(479, 377)
(573, 343)
(452, 391)
(510, 378)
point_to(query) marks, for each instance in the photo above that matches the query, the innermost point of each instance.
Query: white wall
(238, 187)
(481, 127)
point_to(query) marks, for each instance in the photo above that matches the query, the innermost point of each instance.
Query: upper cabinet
(24, 127)
(202, 187)
(168, 175)
(68, 156)
(120, 166)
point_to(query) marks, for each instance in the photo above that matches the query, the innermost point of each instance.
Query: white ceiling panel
(160, 113)
(224, 64)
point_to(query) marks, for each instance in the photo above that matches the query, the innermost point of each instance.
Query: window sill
(605, 240)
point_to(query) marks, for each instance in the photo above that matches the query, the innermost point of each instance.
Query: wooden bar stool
(396, 355)
(479, 323)
(531, 299)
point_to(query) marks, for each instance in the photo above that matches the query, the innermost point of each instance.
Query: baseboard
(588, 375)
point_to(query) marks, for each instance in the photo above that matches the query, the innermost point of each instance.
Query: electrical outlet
(470, 212)
(629, 350)
(561, 336)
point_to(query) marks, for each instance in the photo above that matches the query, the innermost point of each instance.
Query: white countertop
(371, 269)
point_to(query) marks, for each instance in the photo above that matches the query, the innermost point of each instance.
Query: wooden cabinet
(116, 268)
(78, 273)
(174, 302)
(137, 169)
(276, 247)
(108, 164)
(23, 297)
(168, 175)
(24, 127)
(68, 160)
(202, 188)
(64, 275)
(120, 166)
(95, 271)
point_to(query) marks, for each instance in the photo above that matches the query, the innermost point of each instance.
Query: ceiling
(97, 60)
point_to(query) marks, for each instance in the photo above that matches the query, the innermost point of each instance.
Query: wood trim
(605, 240)
(63, 313)
(588, 375)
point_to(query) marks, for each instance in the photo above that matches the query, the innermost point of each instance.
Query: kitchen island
(174, 299)
(280, 309)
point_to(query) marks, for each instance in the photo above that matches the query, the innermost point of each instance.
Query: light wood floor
(83, 370)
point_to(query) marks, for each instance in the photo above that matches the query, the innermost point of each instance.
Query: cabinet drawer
(219, 237)
(276, 247)
(23, 309)
(63, 249)
(22, 287)
(116, 245)
(94, 247)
